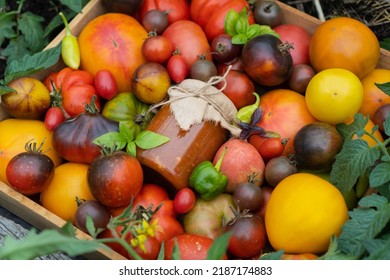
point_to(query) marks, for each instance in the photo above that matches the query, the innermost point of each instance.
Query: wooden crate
(41, 218)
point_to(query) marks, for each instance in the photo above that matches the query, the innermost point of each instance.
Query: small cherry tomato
(177, 68)
(157, 48)
(54, 116)
(184, 200)
(105, 84)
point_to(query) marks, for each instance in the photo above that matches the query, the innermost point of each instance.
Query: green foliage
(237, 25)
(219, 247)
(46, 242)
(385, 44)
(125, 139)
(24, 34)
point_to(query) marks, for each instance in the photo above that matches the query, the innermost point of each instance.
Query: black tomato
(31, 171)
(203, 70)
(277, 169)
(267, 13)
(223, 50)
(248, 196)
(97, 211)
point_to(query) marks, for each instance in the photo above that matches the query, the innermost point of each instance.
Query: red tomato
(268, 147)
(299, 38)
(75, 78)
(54, 116)
(239, 89)
(177, 10)
(105, 84)
(189, 40)
(191, 246)
(184, 200)
(177, 68)
(152, 248)
(76, 97)
(210, 14)
(150, 194)
(157, 49)
(61, 75)
(50, 81)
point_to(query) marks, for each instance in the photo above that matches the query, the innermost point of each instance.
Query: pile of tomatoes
(293, 71)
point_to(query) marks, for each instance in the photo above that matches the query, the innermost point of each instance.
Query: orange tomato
(373, 97)
(69, 182)
(284, 112)
(344, 42)
(113, 41)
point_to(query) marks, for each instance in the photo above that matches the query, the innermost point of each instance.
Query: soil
(375, 13)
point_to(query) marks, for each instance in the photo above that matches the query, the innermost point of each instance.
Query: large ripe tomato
(284, 112)
(69, 182)
(189, 40)
(112, 41)
(303, 213)
(15, 133)
(373, 97)
(176, 10)
(115, 179)
(210, 14)
(191, 246)
(344, 42)
(334, 95)
(299, 38)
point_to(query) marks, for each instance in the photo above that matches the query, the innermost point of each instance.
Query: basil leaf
(148, 139)
(230, 22)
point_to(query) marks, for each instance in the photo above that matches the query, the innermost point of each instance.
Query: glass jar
(172, 163)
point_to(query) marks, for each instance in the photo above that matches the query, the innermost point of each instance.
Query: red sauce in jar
(172, 163)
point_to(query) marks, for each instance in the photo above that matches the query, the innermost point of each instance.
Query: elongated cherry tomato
(184, 200)
(105, 84)
(177, 68)
(54, 116)
(271, 148)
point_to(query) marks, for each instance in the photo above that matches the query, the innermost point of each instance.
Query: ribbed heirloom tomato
(346, 43)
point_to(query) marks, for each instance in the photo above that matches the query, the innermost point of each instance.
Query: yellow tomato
(302, 214)
(69, 182)
(15, 133)
(334, 95)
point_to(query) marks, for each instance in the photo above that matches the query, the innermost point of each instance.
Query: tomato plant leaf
(176, 251)
(148, 139)
(277, 255)
(7, 25)
(16, 48)
(352, 161)
(378, 249)
(32, 63)
(219, 247)
(385, 87)
(348, 130)
(31, 27)
(161, 253)
(75, 5)
(334, 253)
(380, 174)
(230, 22)
(365, 223)
(46, 242)
(385, 43)
(386, 125)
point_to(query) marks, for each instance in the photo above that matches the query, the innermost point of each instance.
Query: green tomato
(125, 107)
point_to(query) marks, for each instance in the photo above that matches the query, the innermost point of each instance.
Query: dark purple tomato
(156, 21)
(248, 196)
(380, 115)
(97, 211)
(203, 70)
(277, 169)
(248, 236)
(31, 171)
(223, 50)
(300, 77)
(267, 60)
(267, 13)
